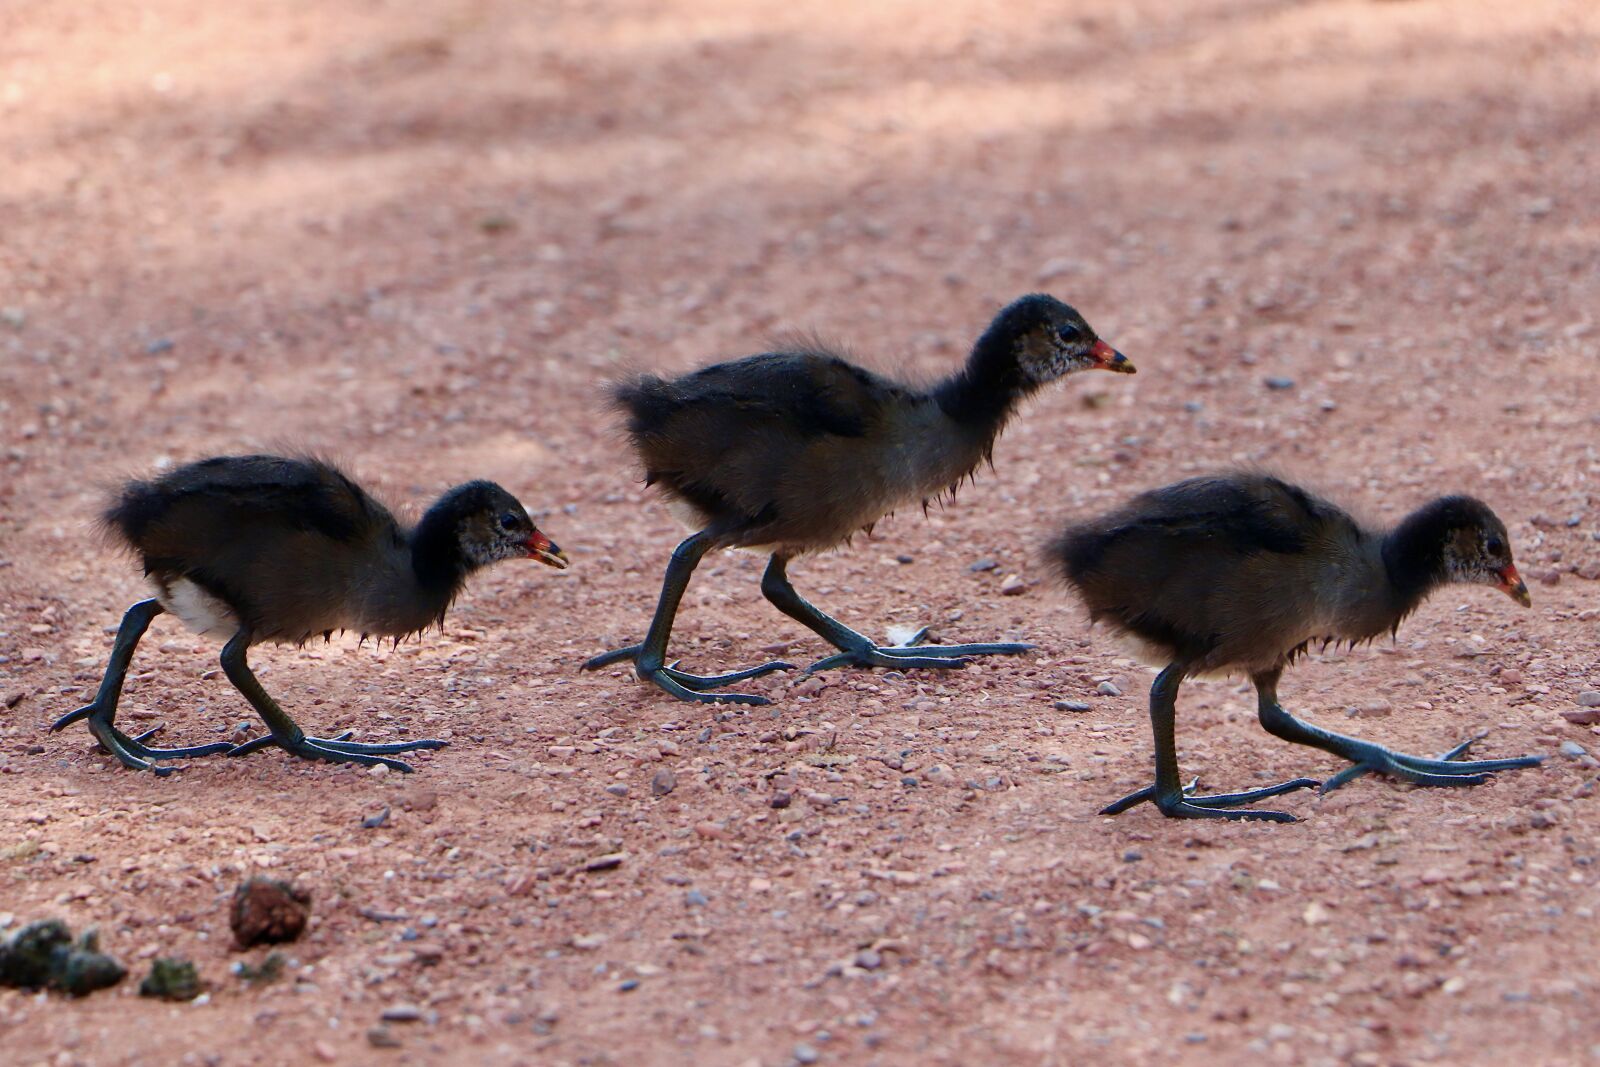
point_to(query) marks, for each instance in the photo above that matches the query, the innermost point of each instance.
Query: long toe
(1394, 769)
(1184, 809)
(663, 678)
(903, 659)
(73, 716)
(605, 659)
(212, 749)
(1138, 796)
(253, 745)
(1481, 766)
(337, 750)
(1420, 770)
(993, 648)
(1400, 770)
(701, 682)
(133, 753)
(310, 749)
(125, 749)
(1229, 800)
(340, 744)
(1188, 806)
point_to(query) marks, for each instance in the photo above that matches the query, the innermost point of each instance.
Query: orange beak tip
(547, 551)
(1112, 360)
(1512, 585)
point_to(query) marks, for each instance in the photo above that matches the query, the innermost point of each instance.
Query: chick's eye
(1069, 333)
(1494, 546)
(508, 521)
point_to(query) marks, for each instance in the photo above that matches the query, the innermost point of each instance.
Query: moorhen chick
(1242, 571)
(795, 451)
(264, 548)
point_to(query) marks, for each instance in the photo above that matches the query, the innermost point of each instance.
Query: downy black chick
(264, 548)
(1243, 571)
(795, 451)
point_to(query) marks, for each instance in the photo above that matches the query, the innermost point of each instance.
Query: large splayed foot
(686, 686)
(1420, 770)
(1184, 804)
(339, 749)
(911, 654)
(131, 751)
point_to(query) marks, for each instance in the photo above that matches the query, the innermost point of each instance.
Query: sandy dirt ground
(419, 237)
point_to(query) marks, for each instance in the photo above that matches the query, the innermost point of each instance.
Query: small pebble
(806, 1054)
(1280, 383)
(1573, 750)
(172, 978)
(401, 1013)
(382, 1037)
(1108, 689)
(1013, 585)
(1072, 705)
(617, 789)
(982, 565)
(664, 782)
(1589, 699)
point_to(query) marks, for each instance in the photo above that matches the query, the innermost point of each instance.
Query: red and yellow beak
(544, 550)
(1108, 358)
(1512, 585)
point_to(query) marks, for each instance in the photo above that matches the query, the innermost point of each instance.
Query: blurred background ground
(1353, 241)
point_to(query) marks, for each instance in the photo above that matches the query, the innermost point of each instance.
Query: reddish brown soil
(418, 237)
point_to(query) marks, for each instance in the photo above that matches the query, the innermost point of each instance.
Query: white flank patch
(691, 517)
(199, 610)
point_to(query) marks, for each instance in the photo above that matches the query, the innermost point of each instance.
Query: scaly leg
(102, 712)
(1168, 793)
(285, 734)
(1367, 756)
(856, 649)
(649, 657)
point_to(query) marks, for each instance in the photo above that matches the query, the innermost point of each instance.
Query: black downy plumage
(795, 451)
(267, 548)
(1243, 571)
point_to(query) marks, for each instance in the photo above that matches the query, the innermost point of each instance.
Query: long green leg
(1366, 756)
(858, 650)
(1168, 793)
(102, 711)
(649, 657)
(285, 734)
